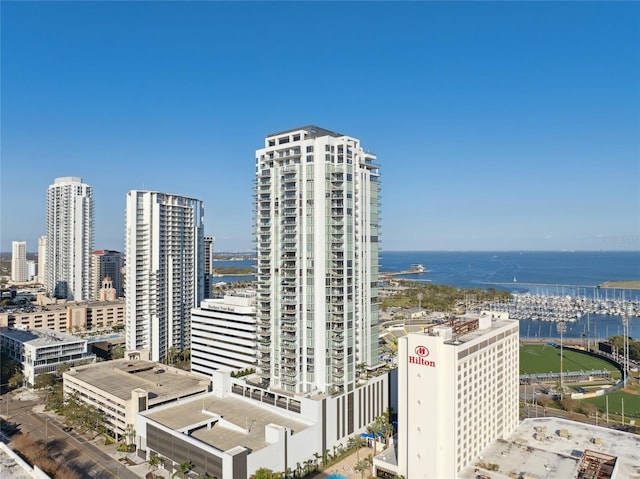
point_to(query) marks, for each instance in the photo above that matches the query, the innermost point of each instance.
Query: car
(67, 429)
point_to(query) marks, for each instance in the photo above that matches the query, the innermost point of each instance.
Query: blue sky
(498, 126)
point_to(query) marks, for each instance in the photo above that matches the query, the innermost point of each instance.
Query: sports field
(631, 402)
(543, 358)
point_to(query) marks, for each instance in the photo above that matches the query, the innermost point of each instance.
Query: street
(69, 448)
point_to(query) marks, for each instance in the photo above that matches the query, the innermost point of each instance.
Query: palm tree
(356, 442)
(375, 428)
(362, 466)
(183, 469)
(154, 462)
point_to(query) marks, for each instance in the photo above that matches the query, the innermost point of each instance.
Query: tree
(117, 352)
(171, 355)
(16, 380)
(154, 462)
(356, 442)
(375, 428)
(183, 469)
(545, 402)
(362, 466)
(130, 434)
(569, 404)
(588, 408)
(264, 473)
(44, 381)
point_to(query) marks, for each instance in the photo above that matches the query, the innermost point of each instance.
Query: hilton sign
(421, 357)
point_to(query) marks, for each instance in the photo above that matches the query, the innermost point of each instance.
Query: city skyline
(499, 126)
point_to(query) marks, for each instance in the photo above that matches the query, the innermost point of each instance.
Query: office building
(223, 334)
(164, 270)
(42, 351)
(317, 222)
(19, 261)
(106, 264)
(457, 393)
(42, 259)
(70, 233)
(208, 266)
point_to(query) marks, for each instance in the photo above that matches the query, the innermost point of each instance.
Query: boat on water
(417, 268)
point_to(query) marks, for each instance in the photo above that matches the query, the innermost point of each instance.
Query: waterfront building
(42, 259)
(42, 351)
(123, 387)
(317, 233)
(457, 393)
(70, 234)
(19, 261)
(106, 263)
(223, 334)
(164, 270)
(208, 266)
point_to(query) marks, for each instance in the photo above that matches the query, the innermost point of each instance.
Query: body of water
(537, 273)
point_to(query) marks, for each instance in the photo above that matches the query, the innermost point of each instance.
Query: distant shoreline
(635, 284)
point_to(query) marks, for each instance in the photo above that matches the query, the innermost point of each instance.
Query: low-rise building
(67, 317)
(43, 350)
(551, 448)
(123, 387)
(240, 427)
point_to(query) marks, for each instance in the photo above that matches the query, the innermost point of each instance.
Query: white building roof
(550, 448)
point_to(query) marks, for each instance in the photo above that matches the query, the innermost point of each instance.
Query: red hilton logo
(420, 358)
(422, 351)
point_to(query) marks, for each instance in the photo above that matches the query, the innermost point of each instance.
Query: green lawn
(539, 358)
(631, 403)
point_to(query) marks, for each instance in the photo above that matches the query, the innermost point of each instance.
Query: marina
(565, 307)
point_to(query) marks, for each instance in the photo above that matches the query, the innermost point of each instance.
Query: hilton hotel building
(458, 392)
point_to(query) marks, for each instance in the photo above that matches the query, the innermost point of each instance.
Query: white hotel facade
(457, 393)
(164, 270)
(317, 223)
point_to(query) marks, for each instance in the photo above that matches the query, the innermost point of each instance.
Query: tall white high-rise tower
(164, 249)
(70, 232)
(317, 223)
(19, 261)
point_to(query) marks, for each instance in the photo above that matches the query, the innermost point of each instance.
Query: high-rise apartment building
(457, 393)
(208, 265)
(42, 258)
(106, 263)
(317, 222)
(70, 233)
(164, 270)
(19, 261)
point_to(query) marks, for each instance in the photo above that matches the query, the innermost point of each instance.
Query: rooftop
(238, 422)
(549, 448)
(39, 337)
(119, 377)
(313, 130)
